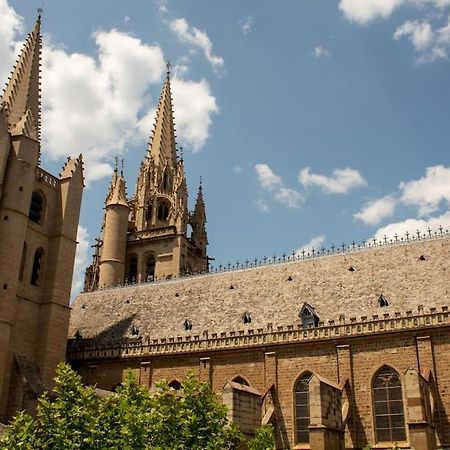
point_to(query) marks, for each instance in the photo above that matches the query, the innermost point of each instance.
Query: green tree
(133, 418)
(264, 439)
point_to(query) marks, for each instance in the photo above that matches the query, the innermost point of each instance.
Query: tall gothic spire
(162, 142)
(22, 92)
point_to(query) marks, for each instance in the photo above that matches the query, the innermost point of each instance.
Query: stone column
(421, 432)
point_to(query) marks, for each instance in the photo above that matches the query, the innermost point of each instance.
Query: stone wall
(347, 361)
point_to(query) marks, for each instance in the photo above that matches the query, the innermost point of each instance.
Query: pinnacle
(22, 91)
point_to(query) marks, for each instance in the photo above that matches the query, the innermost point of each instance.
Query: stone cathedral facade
(339, 349)
(38, 228)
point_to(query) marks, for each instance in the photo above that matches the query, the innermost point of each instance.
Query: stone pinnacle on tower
(162, 142)
(22, 92)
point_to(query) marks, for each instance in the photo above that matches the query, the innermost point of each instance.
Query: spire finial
(201, 183)
(181, 152)
(40, 11)
(121, 169)
(168, 66)
(116, 164)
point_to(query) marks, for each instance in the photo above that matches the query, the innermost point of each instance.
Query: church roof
(411, 276)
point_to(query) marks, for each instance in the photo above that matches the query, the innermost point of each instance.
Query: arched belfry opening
(163, 210)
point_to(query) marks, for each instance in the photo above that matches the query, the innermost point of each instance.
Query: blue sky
(311, 122)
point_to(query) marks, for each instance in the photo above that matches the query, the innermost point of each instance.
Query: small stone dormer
(308, 316)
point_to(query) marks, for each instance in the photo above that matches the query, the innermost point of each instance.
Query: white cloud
(428, 192)
(412, 225)
(91, 105)
(429, 36)
(365, 11)
(126, 19)
(194, 106)
(314, 243)
(274, 183)
(246, 24)
(81, 260)
(98, 104)
(288, 197)
(197, 39)
(419, 33)
(321, 52)
(429, 43)
(262, 205)
(12, 26)
(162, 6)
(341, 181)
(238, 169)
(266, 177)
(375, 211)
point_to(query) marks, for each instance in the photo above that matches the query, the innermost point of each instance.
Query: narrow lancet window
(36, 270)
(302, 415)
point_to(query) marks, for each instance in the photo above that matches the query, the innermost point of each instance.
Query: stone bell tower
(155, 244)
(39, 215)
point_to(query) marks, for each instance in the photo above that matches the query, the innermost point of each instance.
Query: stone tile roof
(272, 294)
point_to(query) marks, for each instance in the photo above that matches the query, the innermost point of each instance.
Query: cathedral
(145, 238)
(39, 215)
(346, 348)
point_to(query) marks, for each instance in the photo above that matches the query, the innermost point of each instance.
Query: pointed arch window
(302, 414)
(165, 181)
(37, 264)
(36, 211)
(388, 406)
(150, 268)
(163, 211)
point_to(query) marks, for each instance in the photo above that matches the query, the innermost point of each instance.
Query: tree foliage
(264, 439)
(133, 418)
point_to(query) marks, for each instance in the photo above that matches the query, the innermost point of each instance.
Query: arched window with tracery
(302, 415)
(163, 211)
(37, 265)
(36, 212)
(388, 406)
(150, 265)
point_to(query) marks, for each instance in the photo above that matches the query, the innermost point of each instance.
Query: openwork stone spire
(22, 91)
(162, 142)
